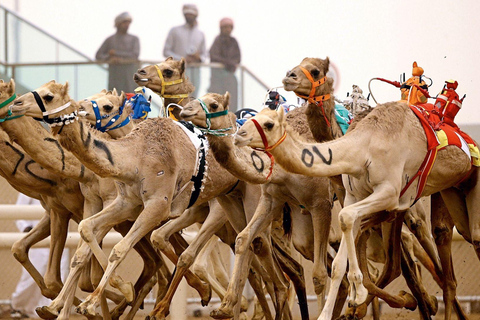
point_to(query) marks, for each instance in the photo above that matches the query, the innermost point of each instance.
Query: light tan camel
(60, 197)
(306, 80)
(210, 112)
(374, 172)
(107, 158)
(48, 152)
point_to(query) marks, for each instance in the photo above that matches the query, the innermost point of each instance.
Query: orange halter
(268, 148)
(312, 98)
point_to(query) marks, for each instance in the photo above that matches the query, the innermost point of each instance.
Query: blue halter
(106, 127)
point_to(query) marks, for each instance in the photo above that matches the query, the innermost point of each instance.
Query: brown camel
(374, 173)
(210, 112)
(306, 81)
(98, 192)
(173, 163)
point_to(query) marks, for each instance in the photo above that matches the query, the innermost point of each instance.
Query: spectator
(121, 51)
(225, 50)
(27, 295)
(187, 41)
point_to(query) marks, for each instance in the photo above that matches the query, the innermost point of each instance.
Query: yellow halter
(169, 83)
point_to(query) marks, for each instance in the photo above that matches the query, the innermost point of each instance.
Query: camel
(168, 80)
(306, 81)
(60, 197)
(50, 155)
(134, 176)
(374, 172)
(209, 114)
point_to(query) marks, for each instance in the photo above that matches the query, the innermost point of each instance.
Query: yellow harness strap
(169, 83)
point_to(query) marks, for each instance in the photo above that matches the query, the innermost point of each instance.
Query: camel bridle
(111, 122)
(266, 147)
(312, 98)
(64, 119)
(170, 83)
(9, 113)
(210, 115)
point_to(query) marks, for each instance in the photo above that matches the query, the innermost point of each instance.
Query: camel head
(297, 79)
(7, 93)
(167, 77)
(53, 98)
(109, 105)
(210, 114)
(273, 124)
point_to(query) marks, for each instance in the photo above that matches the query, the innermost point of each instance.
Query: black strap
(197, 180)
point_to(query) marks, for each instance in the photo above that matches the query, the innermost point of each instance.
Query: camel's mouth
(139, 80)
(290, 84)
(242, 139)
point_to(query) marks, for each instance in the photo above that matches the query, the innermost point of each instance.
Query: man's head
(122, 22)
(190, 12)
(226, 26)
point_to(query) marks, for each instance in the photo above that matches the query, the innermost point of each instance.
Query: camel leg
(259, 222)
(58, 231)
(162, 235)
(116, 212)
(151, 263)
(78, 262)
(214, 221)
(294, 270)
(442, 229)
(20, 251)
(146, 221)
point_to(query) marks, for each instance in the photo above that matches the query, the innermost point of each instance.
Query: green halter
(207, 130)
(9, 114)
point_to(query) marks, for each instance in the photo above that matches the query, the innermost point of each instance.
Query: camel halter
(111, 122)
(170, 83)
(312, 98)
(267, 148)
(9, 113)
(64, 119)
(209, 115)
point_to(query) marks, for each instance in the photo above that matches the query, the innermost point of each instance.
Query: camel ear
(114, 92)
(326, 64)
(12, 83)
(182, 66)
(65, 88)
(226, 100)
(169, 58)
(104, 91)
(281, 115)
(1, 80)
(123, 96)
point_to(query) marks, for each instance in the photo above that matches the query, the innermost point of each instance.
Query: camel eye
(269, 125)
(108, 107)
(315, 72)
(168, 73)
(48, 97)
(214, 106)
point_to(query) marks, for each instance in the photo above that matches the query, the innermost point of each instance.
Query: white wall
(365, 39)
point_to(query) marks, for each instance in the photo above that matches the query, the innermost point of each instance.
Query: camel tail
(287, 220)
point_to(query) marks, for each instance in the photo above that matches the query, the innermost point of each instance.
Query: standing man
(121, 51)
(187, 41)
(226, 51)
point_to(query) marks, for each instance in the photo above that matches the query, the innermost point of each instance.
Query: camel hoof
(410, 301)
(219, 314)
(433, 308)
(206, 300)
(45, 313)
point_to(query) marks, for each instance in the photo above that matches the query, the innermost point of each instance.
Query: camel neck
(244, 163)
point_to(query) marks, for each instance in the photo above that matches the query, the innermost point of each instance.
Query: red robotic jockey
(448, 102)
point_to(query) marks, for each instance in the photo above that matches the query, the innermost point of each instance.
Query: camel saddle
(439, 135)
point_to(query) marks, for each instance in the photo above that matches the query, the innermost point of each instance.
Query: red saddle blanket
(439, 135)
